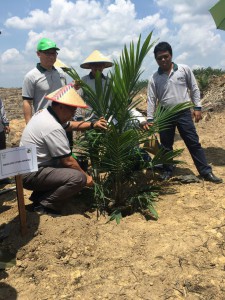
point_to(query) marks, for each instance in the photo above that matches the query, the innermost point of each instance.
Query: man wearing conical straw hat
(59, 176)
(96, 61)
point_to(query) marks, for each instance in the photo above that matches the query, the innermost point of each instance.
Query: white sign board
(19, 160)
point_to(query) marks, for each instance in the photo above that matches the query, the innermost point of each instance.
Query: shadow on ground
(215, 156)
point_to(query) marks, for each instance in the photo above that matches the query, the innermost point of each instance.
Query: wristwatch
(92, 125)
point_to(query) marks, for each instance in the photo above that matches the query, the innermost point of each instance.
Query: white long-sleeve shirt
(169, 90)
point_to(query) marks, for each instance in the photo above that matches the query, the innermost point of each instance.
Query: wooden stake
(21, 204)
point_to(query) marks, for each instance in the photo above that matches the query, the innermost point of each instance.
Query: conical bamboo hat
(96, 57)
(67, 95)
(60, 64)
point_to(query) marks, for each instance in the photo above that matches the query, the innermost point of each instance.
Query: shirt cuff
(198, 108)
(150, 120)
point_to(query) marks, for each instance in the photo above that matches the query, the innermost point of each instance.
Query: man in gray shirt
(42, 80)
(170, 85)
(59, 176)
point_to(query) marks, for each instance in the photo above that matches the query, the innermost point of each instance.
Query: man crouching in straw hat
(59, 176)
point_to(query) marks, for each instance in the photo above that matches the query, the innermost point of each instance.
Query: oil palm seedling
(116, 153)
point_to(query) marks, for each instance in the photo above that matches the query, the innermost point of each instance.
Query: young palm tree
(114, 153)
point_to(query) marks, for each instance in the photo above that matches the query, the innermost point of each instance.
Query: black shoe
(36, 196)
(42, 210)
(5, 181)
(166, 175)
(212, 178)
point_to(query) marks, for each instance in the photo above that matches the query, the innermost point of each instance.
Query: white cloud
(86, 22)
(80, 26)
(36, 17)
(10, 56)
(193, 36)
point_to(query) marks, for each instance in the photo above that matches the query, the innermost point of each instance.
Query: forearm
(151, 101)
(194, 89)
(86, 125)
(70, 162)
(79, 126)
(27, 110)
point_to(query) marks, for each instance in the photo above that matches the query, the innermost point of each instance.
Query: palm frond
(163, 116)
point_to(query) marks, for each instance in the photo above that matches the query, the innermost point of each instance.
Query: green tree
(203, 76)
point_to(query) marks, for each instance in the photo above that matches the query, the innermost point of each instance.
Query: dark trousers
(185, 125)
(53, 187)
(2, 140)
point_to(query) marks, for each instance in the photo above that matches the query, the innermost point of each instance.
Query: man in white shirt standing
(170, 85)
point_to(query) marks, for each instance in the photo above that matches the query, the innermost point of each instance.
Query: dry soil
(76, 256)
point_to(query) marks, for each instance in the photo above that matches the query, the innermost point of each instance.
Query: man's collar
(42, 69)
(51, 111)
(92, 76)
(175, 68)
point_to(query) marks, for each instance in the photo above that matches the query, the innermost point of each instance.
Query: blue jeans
(185, 125)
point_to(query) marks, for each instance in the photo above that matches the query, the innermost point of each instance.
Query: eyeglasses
(48, 53)
(163, 57)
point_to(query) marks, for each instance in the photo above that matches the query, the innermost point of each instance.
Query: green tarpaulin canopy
(218, 14)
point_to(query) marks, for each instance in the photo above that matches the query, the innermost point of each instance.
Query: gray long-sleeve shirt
(3, 119)
(169, 90)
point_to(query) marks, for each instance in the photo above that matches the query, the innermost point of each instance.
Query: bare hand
(197, 114)
(146, 125)
(90, 181)
(77, 84)
(101, 123)
(7, 129)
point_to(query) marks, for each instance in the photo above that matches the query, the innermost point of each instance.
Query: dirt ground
(76, 256)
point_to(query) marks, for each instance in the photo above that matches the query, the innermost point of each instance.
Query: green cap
(45, 44)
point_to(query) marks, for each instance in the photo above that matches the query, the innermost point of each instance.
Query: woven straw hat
(96, 57)
(67, 95)
(60, 64)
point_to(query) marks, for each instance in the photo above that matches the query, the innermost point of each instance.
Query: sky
(79, 27)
